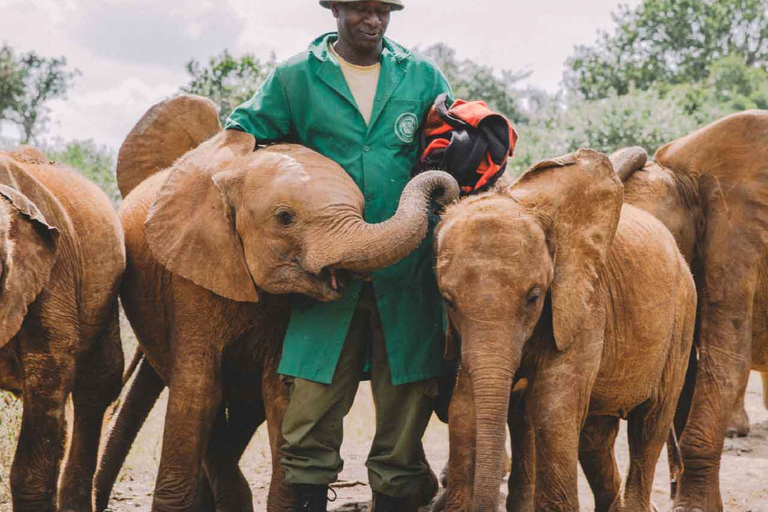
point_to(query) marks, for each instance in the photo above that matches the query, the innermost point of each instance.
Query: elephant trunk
(361, 247)
(491, 375)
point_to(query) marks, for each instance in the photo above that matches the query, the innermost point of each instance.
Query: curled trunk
(626, 161)
(362, 247)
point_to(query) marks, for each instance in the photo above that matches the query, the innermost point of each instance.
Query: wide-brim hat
(396, 5)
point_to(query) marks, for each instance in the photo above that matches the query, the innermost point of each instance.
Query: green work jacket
(306, 100)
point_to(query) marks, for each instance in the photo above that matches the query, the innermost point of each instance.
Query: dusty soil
(744, 474)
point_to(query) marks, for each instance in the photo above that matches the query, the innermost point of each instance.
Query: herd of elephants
(588, 290)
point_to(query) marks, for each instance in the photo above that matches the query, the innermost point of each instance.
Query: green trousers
(313, 427)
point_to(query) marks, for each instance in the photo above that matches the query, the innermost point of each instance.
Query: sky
(131, 53)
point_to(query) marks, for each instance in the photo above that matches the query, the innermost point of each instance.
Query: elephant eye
(449, 302)
(285, 217)
(533, 295)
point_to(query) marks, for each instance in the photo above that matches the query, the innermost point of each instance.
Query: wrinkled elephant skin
(710, 189)
(214, 242)
(62, 257)
(584, 306)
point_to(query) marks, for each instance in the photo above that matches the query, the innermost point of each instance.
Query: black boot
(311, 498)
(384, 503)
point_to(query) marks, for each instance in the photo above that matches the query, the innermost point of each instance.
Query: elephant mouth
(332, 282)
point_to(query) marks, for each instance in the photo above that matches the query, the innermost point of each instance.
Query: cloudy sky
(131, 53)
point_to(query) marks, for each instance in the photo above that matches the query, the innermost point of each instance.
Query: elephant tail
(136, 406)
(163, 134)
(137, 356)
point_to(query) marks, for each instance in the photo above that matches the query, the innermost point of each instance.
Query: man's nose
(372, 19)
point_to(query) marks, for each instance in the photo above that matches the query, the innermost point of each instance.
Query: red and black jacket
(468, 140)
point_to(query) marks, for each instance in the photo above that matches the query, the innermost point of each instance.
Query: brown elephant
(738, 419)
(214, 244)
(62, 257)
(710, 189)
(555, 285)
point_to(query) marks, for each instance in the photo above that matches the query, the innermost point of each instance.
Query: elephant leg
(48, 377)
(597, 459)
(723, 369)
(144, 390)
(522, 477)
(226, 483)
(738, 419)
(97, 385)
(276, 397)
(461, 463)
(558, 407)
(233, 429)
(674, 457)
(193, 402)
(647, 431)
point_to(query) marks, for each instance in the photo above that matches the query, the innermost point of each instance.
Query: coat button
(366, 148)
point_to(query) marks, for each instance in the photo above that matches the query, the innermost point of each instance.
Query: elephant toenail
(697, 509)
(679, 509)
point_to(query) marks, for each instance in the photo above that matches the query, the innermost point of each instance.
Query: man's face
(362, 24)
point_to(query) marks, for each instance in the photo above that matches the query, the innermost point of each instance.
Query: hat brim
(393, 5)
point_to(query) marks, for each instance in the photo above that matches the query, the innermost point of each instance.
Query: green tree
(472, 81)
(227, 80)
(96, 162)
(669, 41)
(27, 82)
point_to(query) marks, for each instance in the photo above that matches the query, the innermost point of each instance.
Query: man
(359, 99)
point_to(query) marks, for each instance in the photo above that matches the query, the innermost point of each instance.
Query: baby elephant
(554, 284)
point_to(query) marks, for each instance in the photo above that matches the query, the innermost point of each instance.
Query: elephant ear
(28, 253)
(189, 228)
(165, 132)
(578, 198)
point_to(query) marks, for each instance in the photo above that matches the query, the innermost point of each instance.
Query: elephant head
(282, 219)
(519, 260)
(28, 241)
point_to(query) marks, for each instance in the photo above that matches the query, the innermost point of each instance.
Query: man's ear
(335, 9)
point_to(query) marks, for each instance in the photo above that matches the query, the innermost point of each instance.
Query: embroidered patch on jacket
(405, 127)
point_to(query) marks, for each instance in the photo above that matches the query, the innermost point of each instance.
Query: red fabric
(472, 113)
(436, 144)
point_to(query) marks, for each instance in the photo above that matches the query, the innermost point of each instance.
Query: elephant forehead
(310, 190)
(489, 243)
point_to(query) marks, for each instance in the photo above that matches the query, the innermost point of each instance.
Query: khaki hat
(396, 5)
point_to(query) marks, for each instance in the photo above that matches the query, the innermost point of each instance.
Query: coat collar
(392, 50)
(393, 67)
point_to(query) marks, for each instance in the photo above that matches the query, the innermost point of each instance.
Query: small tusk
(334, 285)
(520, 385)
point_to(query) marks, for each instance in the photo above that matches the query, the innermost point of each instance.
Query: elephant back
(163, 134)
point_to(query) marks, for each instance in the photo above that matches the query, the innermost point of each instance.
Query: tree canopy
(227, 80)
(669, 41)
(27, 82)
(472, 81)
(96, 162)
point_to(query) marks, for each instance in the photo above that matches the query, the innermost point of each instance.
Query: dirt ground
(744, 466)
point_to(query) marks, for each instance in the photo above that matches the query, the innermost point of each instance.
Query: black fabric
(384, 503)
(470, 142)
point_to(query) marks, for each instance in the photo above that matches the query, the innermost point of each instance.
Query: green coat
(306, 100)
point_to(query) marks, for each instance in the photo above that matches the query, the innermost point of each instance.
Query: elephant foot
(738, 424)
(439, 504)
(698, 505)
